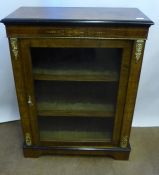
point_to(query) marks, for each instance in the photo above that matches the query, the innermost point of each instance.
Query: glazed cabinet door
(75, 89)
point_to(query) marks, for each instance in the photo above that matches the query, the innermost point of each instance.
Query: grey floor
(144, 159)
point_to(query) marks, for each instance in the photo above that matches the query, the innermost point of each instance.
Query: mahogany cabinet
(76, 73)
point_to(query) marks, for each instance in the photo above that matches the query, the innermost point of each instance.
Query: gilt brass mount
(14, 47)
(28, 139)
(124, 142)
(139, 49)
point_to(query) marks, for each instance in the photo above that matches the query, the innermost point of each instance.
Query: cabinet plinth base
(114, 152)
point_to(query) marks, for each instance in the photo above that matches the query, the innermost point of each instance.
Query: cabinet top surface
(77, 15)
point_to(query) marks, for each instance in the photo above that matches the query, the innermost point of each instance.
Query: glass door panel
(78, 91)
(77, 64)
(72, 129)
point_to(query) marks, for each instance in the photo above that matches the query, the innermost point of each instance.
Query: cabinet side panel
(134, 75)
(124, 73)
(28, 78)
(20, 88)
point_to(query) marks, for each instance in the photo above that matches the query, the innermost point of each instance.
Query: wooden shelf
(76, 64)
(75, 129)
(92, 99)
(74, 136)
(75, 109)
(75, 75)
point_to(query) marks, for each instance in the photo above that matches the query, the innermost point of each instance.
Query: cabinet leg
(31, 153)
(121, 156)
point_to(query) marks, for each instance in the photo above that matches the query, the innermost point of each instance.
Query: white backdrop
(147, 106)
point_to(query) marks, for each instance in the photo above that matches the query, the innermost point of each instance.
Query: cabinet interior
(76, 92)
(75, 129)
(77, 64)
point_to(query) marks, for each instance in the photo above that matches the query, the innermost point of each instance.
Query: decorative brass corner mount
(14, 47)
(139, 49)
(124, 142)
(28, 139)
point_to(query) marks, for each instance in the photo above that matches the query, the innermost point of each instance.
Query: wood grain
(77, 31)
(51, 85)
